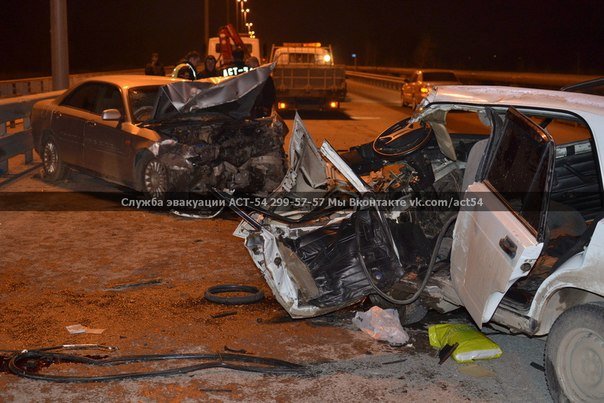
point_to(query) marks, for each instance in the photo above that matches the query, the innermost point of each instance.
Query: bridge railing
(15, 127)
(534, 80)
(376, 80)
(36, 85)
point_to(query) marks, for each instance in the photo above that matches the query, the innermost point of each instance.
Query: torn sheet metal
(234, 96)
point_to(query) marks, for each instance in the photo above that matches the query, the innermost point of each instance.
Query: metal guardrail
(15, 127)
(36, 85)
(534, 80)
(377, 80)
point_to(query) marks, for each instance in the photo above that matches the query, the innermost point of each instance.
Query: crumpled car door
(499, 240)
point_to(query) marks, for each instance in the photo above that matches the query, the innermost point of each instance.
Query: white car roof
(581, 104)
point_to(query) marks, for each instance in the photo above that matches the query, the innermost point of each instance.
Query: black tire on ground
(255, 294)
(574, 355)
(52, 164)
(153, 179)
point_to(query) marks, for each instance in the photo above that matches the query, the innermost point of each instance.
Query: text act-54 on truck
(307, 78)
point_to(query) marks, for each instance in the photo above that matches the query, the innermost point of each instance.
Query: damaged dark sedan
(159, 135)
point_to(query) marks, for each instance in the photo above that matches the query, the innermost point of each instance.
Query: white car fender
(583, 278)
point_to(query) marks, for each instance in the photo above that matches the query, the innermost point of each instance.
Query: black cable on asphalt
(230, 361)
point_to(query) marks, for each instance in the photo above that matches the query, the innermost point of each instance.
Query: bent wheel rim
(581, 365)
(155, 179)
(50, 158)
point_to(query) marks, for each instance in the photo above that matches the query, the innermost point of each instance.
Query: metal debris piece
(121, 287)
(231, 350)
(445, 352)
(79, 329)
(224, 314)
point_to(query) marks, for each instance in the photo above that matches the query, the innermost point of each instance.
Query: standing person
(155, 67)
(267, 98)
(237, 66)
(188, 68)
(209, 68)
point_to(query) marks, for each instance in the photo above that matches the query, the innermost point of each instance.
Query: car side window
(111, 98)
(84, 97)
(518, 171)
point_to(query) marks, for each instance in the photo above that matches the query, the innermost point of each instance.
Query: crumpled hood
(234, 96)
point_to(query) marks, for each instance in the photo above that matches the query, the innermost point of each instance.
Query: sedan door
(107, 148)
(498, 241)
(69, 118)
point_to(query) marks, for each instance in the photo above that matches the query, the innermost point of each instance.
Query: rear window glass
(440, 76)
(518, 171)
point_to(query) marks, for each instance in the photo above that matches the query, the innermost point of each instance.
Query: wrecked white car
(160, 135)
(488, 198)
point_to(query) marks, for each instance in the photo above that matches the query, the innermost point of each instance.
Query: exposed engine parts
(214, 150)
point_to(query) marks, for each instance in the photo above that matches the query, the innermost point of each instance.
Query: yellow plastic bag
(473, 345)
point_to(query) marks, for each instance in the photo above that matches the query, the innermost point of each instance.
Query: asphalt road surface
(141, 276)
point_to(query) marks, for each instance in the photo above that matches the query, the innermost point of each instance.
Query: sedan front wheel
(155, 181)
(52, 163)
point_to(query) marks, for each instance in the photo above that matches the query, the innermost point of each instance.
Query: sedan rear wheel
(574, 355)
(53, 166)
(155, 179)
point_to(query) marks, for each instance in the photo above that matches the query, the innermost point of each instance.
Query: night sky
(542, 36)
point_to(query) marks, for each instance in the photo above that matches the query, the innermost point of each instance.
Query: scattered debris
(216, 390)
(381, 324)
(254, 296)
(79, 329)
(231, 350)
(446, 352)
(394, 362)
(224, 314)
(477, 371)
(121, 287)
(471, 343)
(537, 366)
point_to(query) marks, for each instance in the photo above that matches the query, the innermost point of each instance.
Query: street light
(240, 6)
(245, 12)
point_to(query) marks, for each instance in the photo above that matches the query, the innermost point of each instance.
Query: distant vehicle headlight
(326, 58)
(424, 90)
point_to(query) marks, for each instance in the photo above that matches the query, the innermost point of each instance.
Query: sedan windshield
(142, 102)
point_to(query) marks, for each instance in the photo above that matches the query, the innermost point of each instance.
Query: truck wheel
(574, 355)
(52, 163)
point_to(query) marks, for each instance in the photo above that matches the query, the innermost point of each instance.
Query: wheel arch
(558, 302)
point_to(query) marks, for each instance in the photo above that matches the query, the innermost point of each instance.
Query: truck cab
(306, 77)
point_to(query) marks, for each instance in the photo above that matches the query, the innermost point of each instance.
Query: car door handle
(508, 246)
(90, 123)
